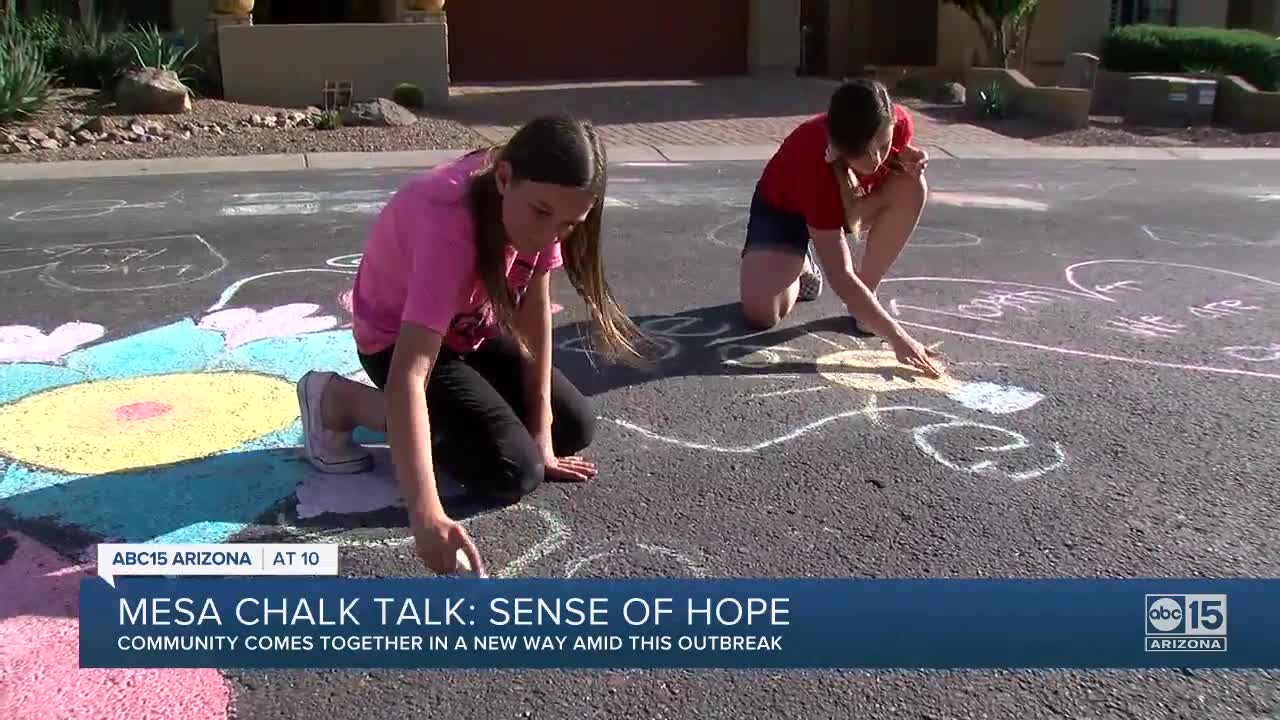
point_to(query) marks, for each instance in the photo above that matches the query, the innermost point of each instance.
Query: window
(1155, 12)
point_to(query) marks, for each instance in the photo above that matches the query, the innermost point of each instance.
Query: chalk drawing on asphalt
(849, 371)
(40, 628)
(345, 261)
(150, 263)
(1192, 238)
(81, 210)
(558, 550)
(1159, 308)
(1255, 353)
(185, 432)
(989, 202)
(230, 292)
(732, 232)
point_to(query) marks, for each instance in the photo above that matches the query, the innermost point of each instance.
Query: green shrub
(24, 81)
(329, 120)
(409, 95)
(43, 32)
(1155, 48)
(91, 56)
(994, 103)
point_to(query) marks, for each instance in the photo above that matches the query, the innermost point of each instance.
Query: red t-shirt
(798, 179)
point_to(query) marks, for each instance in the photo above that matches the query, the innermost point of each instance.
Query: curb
(621, 154)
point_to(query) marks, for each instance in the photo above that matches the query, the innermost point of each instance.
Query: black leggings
(477, 407)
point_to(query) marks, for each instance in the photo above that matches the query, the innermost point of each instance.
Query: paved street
(1113, 337)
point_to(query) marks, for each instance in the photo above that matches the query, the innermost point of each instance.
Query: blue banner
(254, 622)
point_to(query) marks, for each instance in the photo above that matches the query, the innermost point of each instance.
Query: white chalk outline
(47, 268)
(83, 210)
(234, 287)
(556, 537)
(1091, 294)
(872, 412)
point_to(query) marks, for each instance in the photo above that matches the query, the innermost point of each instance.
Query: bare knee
(760, 315)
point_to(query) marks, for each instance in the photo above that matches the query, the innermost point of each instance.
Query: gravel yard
(213, 127)
(1103, 131)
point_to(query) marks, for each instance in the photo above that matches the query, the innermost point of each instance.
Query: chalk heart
(1135, 311)
(241, 326)
(23, 343)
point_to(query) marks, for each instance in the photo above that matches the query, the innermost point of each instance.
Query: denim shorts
(769, 228)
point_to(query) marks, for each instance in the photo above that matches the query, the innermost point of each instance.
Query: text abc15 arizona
(1186, 623)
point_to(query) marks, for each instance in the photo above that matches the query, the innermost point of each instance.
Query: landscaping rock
(50, 144)
(149, 91)
(100, 125)
(85, 136)
(951, 94)
(379, 112)
(60, 135)
(35, 135)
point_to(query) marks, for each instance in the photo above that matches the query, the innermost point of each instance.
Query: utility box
(1170, 101)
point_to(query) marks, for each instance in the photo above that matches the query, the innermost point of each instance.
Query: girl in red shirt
(853, 165)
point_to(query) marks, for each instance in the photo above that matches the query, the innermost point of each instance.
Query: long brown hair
(858, 109)
(561, 150)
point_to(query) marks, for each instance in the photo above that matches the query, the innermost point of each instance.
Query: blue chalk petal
(201, 533)
(18, 479)
(22, 379)
(180, 347)
(290, 357)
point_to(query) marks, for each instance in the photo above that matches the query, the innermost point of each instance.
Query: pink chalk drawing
(23, 343)
(40, 652)
(244, 325)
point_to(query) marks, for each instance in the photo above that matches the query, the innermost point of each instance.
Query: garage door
(497, 40)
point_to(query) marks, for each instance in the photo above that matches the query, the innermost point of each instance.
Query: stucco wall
(288, 64)
(1202, 13)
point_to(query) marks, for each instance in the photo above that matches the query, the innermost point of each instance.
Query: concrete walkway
(13, 172)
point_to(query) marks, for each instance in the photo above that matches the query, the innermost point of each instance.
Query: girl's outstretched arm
(837, 265)
(534, 319)
(438, 537)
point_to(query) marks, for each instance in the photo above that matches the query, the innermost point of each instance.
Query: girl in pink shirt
(453, 295)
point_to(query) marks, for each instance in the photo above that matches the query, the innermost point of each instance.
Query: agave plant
(24, 81)
(152, 49)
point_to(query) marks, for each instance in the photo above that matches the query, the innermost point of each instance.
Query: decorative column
(223, 12)
(422, 11)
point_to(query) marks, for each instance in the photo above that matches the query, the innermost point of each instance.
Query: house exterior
(298, 41)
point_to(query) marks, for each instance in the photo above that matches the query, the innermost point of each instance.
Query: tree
(1005, 25)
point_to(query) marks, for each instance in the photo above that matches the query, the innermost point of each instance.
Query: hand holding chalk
(444, 547)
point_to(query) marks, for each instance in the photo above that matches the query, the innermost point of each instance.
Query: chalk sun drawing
(181, 433)
(1157, 310)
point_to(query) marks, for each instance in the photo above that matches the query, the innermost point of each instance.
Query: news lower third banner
(467, 622)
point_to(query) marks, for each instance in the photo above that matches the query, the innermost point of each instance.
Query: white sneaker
(326, 450)
(810, 277)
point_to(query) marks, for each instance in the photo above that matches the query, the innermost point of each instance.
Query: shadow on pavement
(712, 341)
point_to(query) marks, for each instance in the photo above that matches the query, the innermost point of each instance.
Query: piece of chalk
(464, 565)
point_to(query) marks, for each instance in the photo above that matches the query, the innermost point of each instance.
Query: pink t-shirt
(419, 265)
